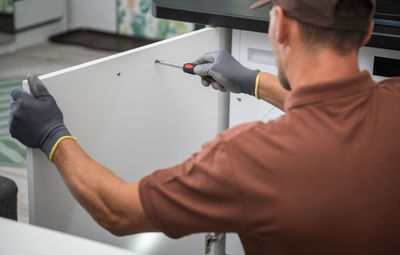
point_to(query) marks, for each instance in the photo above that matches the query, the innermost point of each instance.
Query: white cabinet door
(134, 117)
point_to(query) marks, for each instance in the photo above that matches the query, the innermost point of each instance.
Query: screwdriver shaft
(167, 63)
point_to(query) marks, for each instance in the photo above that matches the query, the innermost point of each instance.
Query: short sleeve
(199, 195)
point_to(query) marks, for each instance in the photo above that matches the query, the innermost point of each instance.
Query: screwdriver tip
(157, 61)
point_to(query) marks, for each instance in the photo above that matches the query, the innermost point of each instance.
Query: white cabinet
(134, 117)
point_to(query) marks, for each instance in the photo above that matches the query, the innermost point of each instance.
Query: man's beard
(283, 79)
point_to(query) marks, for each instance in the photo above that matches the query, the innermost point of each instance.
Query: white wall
(94, 14)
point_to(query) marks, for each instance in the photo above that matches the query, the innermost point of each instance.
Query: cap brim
(259, 4)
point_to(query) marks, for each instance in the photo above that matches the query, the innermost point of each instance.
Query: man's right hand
(228, 73)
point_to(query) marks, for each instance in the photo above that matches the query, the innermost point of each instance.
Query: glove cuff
(257, 86)
(56, 144)
(249, 86)
(51, 141)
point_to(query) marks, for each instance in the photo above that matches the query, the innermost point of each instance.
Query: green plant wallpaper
(135, 18)
(6, 6)
(12, 152)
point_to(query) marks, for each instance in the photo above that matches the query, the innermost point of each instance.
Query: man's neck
(322, 66)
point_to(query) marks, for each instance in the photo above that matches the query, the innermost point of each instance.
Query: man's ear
(368, 34)
(282, 26)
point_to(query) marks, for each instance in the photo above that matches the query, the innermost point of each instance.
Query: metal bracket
(211, 239)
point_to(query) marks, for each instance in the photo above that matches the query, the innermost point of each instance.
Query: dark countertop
(237, 15)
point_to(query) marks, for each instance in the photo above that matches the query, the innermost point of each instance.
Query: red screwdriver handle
(189, 68)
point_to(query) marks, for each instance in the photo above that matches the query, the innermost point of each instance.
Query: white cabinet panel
(134, 117)
(233, 245)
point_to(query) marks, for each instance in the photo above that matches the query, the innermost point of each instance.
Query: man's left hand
(35, 120)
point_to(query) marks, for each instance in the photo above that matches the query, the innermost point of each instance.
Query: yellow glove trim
(56, 144)
(257, 85)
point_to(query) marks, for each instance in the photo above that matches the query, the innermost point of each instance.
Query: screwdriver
(187, 68)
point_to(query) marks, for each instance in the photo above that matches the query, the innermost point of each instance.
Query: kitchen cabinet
(134, 117)
(30, 13)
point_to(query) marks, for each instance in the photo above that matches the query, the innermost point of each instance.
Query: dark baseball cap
(321, 13)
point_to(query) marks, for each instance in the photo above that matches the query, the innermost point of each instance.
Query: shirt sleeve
(200, 195)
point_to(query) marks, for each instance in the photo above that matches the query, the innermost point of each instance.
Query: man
(323, 179)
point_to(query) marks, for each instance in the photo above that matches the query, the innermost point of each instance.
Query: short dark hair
(342, 42)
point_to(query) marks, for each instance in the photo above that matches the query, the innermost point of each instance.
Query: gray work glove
(36, 121)
(228, 73)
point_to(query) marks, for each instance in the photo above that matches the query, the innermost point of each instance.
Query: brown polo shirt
(323, 179)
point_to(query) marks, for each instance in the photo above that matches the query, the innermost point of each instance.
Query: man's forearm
(112, 202)
(270, 90)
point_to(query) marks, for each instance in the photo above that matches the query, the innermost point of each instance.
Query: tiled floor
(39, 59)
(45, 58)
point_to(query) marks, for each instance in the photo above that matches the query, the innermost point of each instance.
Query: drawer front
(29, 13)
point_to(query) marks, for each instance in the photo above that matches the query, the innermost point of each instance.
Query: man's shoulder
(392, 84)
(259, 130)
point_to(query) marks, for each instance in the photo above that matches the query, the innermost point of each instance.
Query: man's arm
(230, 75)
(112, 202)
(270, 90)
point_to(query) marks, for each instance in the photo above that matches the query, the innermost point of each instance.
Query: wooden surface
(134, 117)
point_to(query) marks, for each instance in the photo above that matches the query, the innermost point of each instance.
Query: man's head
(342, 26)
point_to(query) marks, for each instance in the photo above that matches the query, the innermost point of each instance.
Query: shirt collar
(324, 91)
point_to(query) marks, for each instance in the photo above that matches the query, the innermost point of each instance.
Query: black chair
(8, 198)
